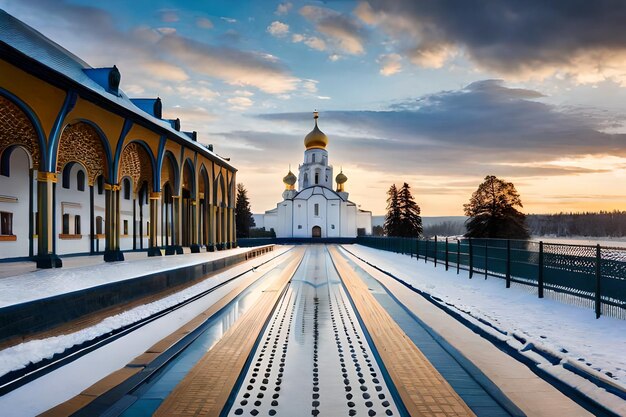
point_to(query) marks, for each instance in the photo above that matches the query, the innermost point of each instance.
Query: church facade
(84, 169)
(315, 209)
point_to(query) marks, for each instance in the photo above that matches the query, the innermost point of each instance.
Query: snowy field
(48, 282)
(568, 332)
(616, 242)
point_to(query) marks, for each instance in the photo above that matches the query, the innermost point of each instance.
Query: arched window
(126, 185)
(316, 209)
(80, 180)
(313, 158)
(306, 180)
(66, 224)
(100, 184)
(317, 178)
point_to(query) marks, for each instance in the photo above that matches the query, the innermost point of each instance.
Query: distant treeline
(599, 224)
(596, 224)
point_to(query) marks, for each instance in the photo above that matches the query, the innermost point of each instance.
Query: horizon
(436, 97)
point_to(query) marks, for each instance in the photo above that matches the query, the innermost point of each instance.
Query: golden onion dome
(290, 179)
(316, 139)
(341, 178)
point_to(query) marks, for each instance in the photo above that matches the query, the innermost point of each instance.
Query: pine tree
(411, 221)
(394, 217)
(492, 211)
(243, 215)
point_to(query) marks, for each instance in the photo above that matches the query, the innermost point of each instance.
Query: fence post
(458, 256)
(540, 277)
(471, 258)
(598, 277)
(508, 263)
(426, 252)
(417, 248)
(486, 256)
(446, 253)
(435, 251)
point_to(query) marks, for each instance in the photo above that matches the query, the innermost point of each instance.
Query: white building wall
(334, 218)
(75, 203)
(98, 211)
(126, 214)
(14, 199)
(320, 220)
(364, 221)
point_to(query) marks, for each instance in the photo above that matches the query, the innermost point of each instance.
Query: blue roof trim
(57, 127)
(128, 124)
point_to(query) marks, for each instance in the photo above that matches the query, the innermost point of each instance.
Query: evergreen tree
(243, 216)
(411, 221)
(393, 218)
(492, 211)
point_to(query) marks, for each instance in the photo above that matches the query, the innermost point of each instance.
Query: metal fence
(589, 276)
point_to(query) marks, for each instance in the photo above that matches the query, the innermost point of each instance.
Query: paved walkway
(533, 395)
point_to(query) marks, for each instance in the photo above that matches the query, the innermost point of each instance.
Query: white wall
(126, 214)
(14, 191)
(74, 203)
(364, 220)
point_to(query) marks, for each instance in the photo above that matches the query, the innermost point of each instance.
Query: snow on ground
(49, 282)
(69, 380)
(18, 356)
(569, 332)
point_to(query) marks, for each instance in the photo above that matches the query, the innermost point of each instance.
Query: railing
(589, 276)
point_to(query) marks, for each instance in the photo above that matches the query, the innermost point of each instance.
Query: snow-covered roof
(28, 41)
(317, 190)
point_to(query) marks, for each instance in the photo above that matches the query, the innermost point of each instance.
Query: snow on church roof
(28, 41)
(318, 190)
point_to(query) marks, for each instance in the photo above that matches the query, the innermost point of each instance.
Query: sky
(438, 94)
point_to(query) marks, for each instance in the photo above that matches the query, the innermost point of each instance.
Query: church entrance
(316, 232)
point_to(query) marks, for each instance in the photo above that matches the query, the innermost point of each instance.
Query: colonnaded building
(315, 210)
(86, 169)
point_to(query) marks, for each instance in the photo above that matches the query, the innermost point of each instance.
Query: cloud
(168, 15)
(204, 23)
(165, 71)
(534, 39)
(312, 42)
(231, 65)
(345, 32)
(390, 64)
(228, 19)
(483, 128)
(283, 8)
(240, 103)
(278, 29)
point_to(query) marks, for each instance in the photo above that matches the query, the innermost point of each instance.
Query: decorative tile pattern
(135, 163)
(81, 143)
(16, 129)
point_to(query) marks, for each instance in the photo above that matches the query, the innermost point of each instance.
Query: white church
(315, 210)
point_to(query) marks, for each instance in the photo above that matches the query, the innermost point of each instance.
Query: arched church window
(100, 184)
(313, 158)
(306, 180)
(99, 225)
(316, 209)
(126, 183)
(80, 180)
(66, 224)
(317, 178)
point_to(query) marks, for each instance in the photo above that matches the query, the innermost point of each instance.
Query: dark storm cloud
(509, 36)
(483, 128)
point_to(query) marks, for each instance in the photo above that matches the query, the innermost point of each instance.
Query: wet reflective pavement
(313, 357)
